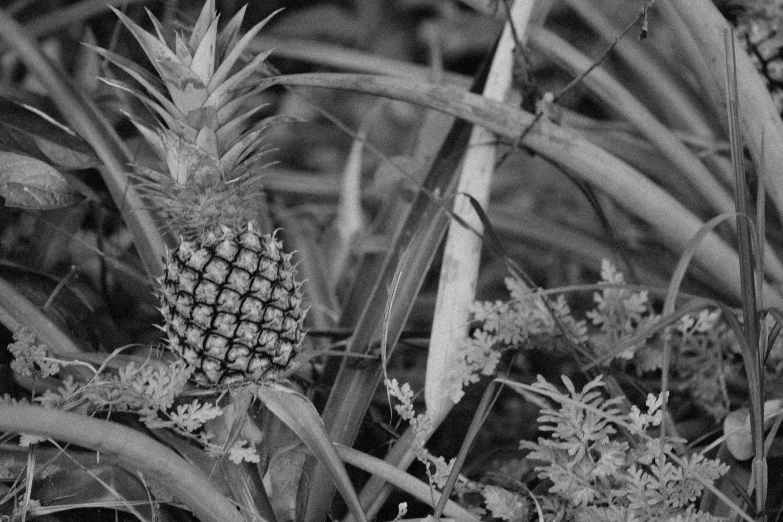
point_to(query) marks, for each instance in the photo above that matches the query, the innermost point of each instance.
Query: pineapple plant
(229, 298)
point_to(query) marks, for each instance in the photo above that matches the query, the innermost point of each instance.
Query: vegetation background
(614, 163)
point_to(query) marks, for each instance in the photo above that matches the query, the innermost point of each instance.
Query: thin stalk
(753, 364)
(417, 240)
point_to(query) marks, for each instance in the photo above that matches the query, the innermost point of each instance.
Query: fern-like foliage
(595, 476)
(152, 391)
(704, 349)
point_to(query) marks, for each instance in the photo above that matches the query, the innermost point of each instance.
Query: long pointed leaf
(226, 90)
(302, 418)
(150, 83)
(185, 87)
(231, 58)
(417, 241)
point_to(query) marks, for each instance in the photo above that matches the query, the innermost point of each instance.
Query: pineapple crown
(207, 138)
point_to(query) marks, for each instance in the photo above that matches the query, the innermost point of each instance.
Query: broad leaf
(28, 130)
(299, 414)
(29, 183)
(736, 428)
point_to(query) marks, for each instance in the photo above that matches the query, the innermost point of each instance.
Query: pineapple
(231, 304)
(759, 26)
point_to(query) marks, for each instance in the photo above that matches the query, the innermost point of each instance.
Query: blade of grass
(341, 58)
(604, 86)
(753, 359)
(402, 480)
(417, 239)
(462, 252)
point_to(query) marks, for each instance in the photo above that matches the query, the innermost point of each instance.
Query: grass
(409, 191)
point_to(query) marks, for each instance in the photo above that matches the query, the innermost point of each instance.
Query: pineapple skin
(232, 307)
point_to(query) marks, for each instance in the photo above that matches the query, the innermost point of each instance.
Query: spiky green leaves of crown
(233, 307)
(208, 139)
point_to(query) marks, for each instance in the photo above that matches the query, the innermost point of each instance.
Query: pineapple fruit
(231, 304)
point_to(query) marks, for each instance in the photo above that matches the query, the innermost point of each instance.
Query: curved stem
(134, 451)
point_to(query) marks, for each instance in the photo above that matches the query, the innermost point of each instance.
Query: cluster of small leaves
(704, 359)
(505, 505)
(422, 428)
(619, 313)
(594, 476)
(703, 347)
(529, 319)
(30, 355)
(149, 390)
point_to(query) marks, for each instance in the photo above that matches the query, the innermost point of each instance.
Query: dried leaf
(736, 428)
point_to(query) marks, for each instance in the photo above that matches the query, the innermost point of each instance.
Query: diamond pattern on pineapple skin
(233, 324)
(238, 280)
(260, 285)
(247, 331)
(227, 249)
(217, 270)
(247, 261)
(206, 292)
(216, 346)
(237, 352)
(212, 369)
(252, 309)
(225, 324)
(202, 315)
(258, 364)
(229, 300)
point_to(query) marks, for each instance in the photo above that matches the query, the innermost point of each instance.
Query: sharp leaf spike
(225, 68)
(223, 92)
(149, 82)
(228, 36)
(204, 56)
(205, 19)
(182, 51)
(186, 89)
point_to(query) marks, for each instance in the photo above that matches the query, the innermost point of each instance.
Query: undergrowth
(652, 405)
